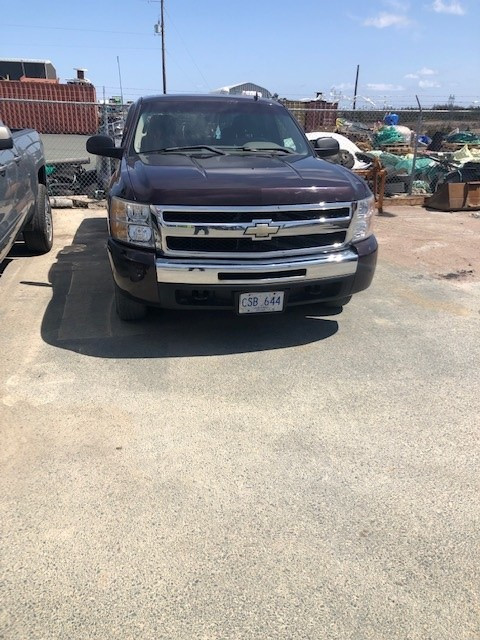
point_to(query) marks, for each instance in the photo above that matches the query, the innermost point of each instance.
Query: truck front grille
(223, 217)
(245, 245)
(252, 232)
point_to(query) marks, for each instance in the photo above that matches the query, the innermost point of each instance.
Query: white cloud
(398, 5)
(424, 72)
(384, 20)
(428, 84)
(343, 86)
(385, 87)
(453, 7)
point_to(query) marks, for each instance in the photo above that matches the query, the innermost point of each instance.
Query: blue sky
(429, 47)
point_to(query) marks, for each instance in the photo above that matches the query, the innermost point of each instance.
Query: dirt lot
(203, 476)
(442, 245)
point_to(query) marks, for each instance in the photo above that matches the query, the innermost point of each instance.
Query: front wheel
(346, 159)
(128, 309)
(38, 234)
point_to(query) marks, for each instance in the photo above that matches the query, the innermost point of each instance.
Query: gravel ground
(434, 243)
(204, 476)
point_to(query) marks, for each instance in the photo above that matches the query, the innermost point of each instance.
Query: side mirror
(104, 146)
(6, 140)
(326, 147)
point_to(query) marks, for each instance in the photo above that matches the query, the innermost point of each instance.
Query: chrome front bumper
(277, 271)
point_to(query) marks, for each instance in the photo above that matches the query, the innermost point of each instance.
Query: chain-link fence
(417, 147)
(65, 126)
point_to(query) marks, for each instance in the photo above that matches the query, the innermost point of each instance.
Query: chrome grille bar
(250, 225)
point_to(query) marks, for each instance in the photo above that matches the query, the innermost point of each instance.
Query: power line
(187, 50)
(172, 58)
(37, 27)
(79, 46)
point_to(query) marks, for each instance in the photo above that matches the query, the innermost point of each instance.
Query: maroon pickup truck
(220, 202)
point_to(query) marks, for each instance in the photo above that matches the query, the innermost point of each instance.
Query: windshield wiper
(268, 149)
(196, 147)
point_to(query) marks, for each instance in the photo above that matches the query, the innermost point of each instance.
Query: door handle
(17, 159)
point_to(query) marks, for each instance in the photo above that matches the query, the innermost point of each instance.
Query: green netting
(464, 137)
(405, 163)
(388, 135)
(388, 160)
(420, 187)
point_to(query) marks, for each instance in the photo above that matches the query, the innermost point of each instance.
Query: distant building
(23, 69)
(245, 89)
(80, 79)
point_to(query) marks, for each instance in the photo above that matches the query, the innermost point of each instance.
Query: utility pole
(356, 88)
(120, 81)
(164, 73)
(159, 28)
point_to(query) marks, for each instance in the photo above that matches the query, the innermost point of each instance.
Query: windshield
(203, 127)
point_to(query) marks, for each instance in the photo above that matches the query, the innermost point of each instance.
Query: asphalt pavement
(213, 477)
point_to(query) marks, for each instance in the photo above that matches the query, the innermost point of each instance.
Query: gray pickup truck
(24, 203)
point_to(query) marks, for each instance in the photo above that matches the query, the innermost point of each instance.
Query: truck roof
(208, 98)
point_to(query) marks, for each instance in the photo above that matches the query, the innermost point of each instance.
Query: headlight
(131, 222)
(363, 219)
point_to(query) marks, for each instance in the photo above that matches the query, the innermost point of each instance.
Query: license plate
(263, 302)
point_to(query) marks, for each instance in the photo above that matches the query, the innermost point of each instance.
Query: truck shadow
(18, 250)
(81, 316)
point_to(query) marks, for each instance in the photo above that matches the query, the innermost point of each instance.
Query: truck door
(9, 213)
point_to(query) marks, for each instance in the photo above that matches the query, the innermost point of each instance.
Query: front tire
(38, 234)
(346, 159)
(128, 309)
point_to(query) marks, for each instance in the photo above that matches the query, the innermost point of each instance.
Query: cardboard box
(460, 196)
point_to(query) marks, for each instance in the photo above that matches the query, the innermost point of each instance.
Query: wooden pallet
(405, 200)
(456, 146)
(397, 149)
(363, 145)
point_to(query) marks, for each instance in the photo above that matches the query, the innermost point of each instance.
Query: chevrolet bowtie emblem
(262, 230)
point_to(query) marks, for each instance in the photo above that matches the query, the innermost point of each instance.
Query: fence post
(104, 164)
(415, 147)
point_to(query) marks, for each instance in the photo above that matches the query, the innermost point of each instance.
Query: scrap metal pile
(416, 166)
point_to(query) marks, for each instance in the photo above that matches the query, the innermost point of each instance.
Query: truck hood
(229, 180)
